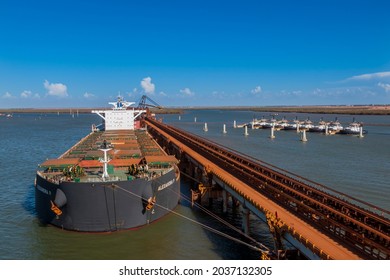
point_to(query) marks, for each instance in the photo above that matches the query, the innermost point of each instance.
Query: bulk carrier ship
(115, 178)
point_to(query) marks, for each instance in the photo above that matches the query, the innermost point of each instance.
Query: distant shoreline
(331, 109)
(350, 110)
(75, 110)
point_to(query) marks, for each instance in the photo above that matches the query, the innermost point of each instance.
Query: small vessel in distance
(355, 128)
(335, 127)
(115, 178)
(328, 128)
(320, 127)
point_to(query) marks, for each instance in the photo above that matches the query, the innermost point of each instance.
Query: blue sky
(194, 53)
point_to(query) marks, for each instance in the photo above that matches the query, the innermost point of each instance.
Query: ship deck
(133, 154)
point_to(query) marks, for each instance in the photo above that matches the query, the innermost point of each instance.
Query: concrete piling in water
(195, 119)
(234, 124)
(205, 127)
(224, 129)
(361, 132)
(326, 130)
(224, 201)
(272, 136)
(235, 202)
(245, 220)
(246, 131)
(303, 137)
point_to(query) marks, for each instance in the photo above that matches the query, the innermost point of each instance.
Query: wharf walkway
(328, 227)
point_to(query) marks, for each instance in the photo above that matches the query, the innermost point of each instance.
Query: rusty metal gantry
(364, 232)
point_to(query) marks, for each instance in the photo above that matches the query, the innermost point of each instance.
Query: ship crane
(142, 103)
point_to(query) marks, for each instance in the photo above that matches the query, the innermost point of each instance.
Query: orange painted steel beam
(284, 186)
(334, 249)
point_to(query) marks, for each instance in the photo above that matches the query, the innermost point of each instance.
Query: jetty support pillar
(246, 131)
(245, 219)
(304, 138)
(224, 201)
(272, 136)
(361, 132)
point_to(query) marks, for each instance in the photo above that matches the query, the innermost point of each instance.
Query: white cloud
(7, 95)
(88, 95)
(386, 87)
(133, 94)
(57, 89)
(29, 94)
(370, 76)
(219, 94)
(295, 93)
(163, 93)
(147, 85)
(187, 92)
(256, 90)
(319, 92)
(344, 92)
(224, 96)
(26, 94)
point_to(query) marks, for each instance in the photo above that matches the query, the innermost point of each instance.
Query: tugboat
(115, 178)
(321, 127)
(293, 126)
(335, 127)
(262, 123)
(354, 128)
(307, 124)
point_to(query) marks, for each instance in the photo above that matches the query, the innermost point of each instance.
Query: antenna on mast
(105, 148)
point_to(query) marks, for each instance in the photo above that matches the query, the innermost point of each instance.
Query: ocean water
(356, 166)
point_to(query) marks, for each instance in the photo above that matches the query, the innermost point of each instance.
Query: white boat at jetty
(355, 128)
(284, 123)
(321, 127)
(334, 127)
(271, 123)
(261, 123)
(292, 126)
(307, 124)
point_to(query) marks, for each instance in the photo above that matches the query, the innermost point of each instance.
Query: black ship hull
(106, 206)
